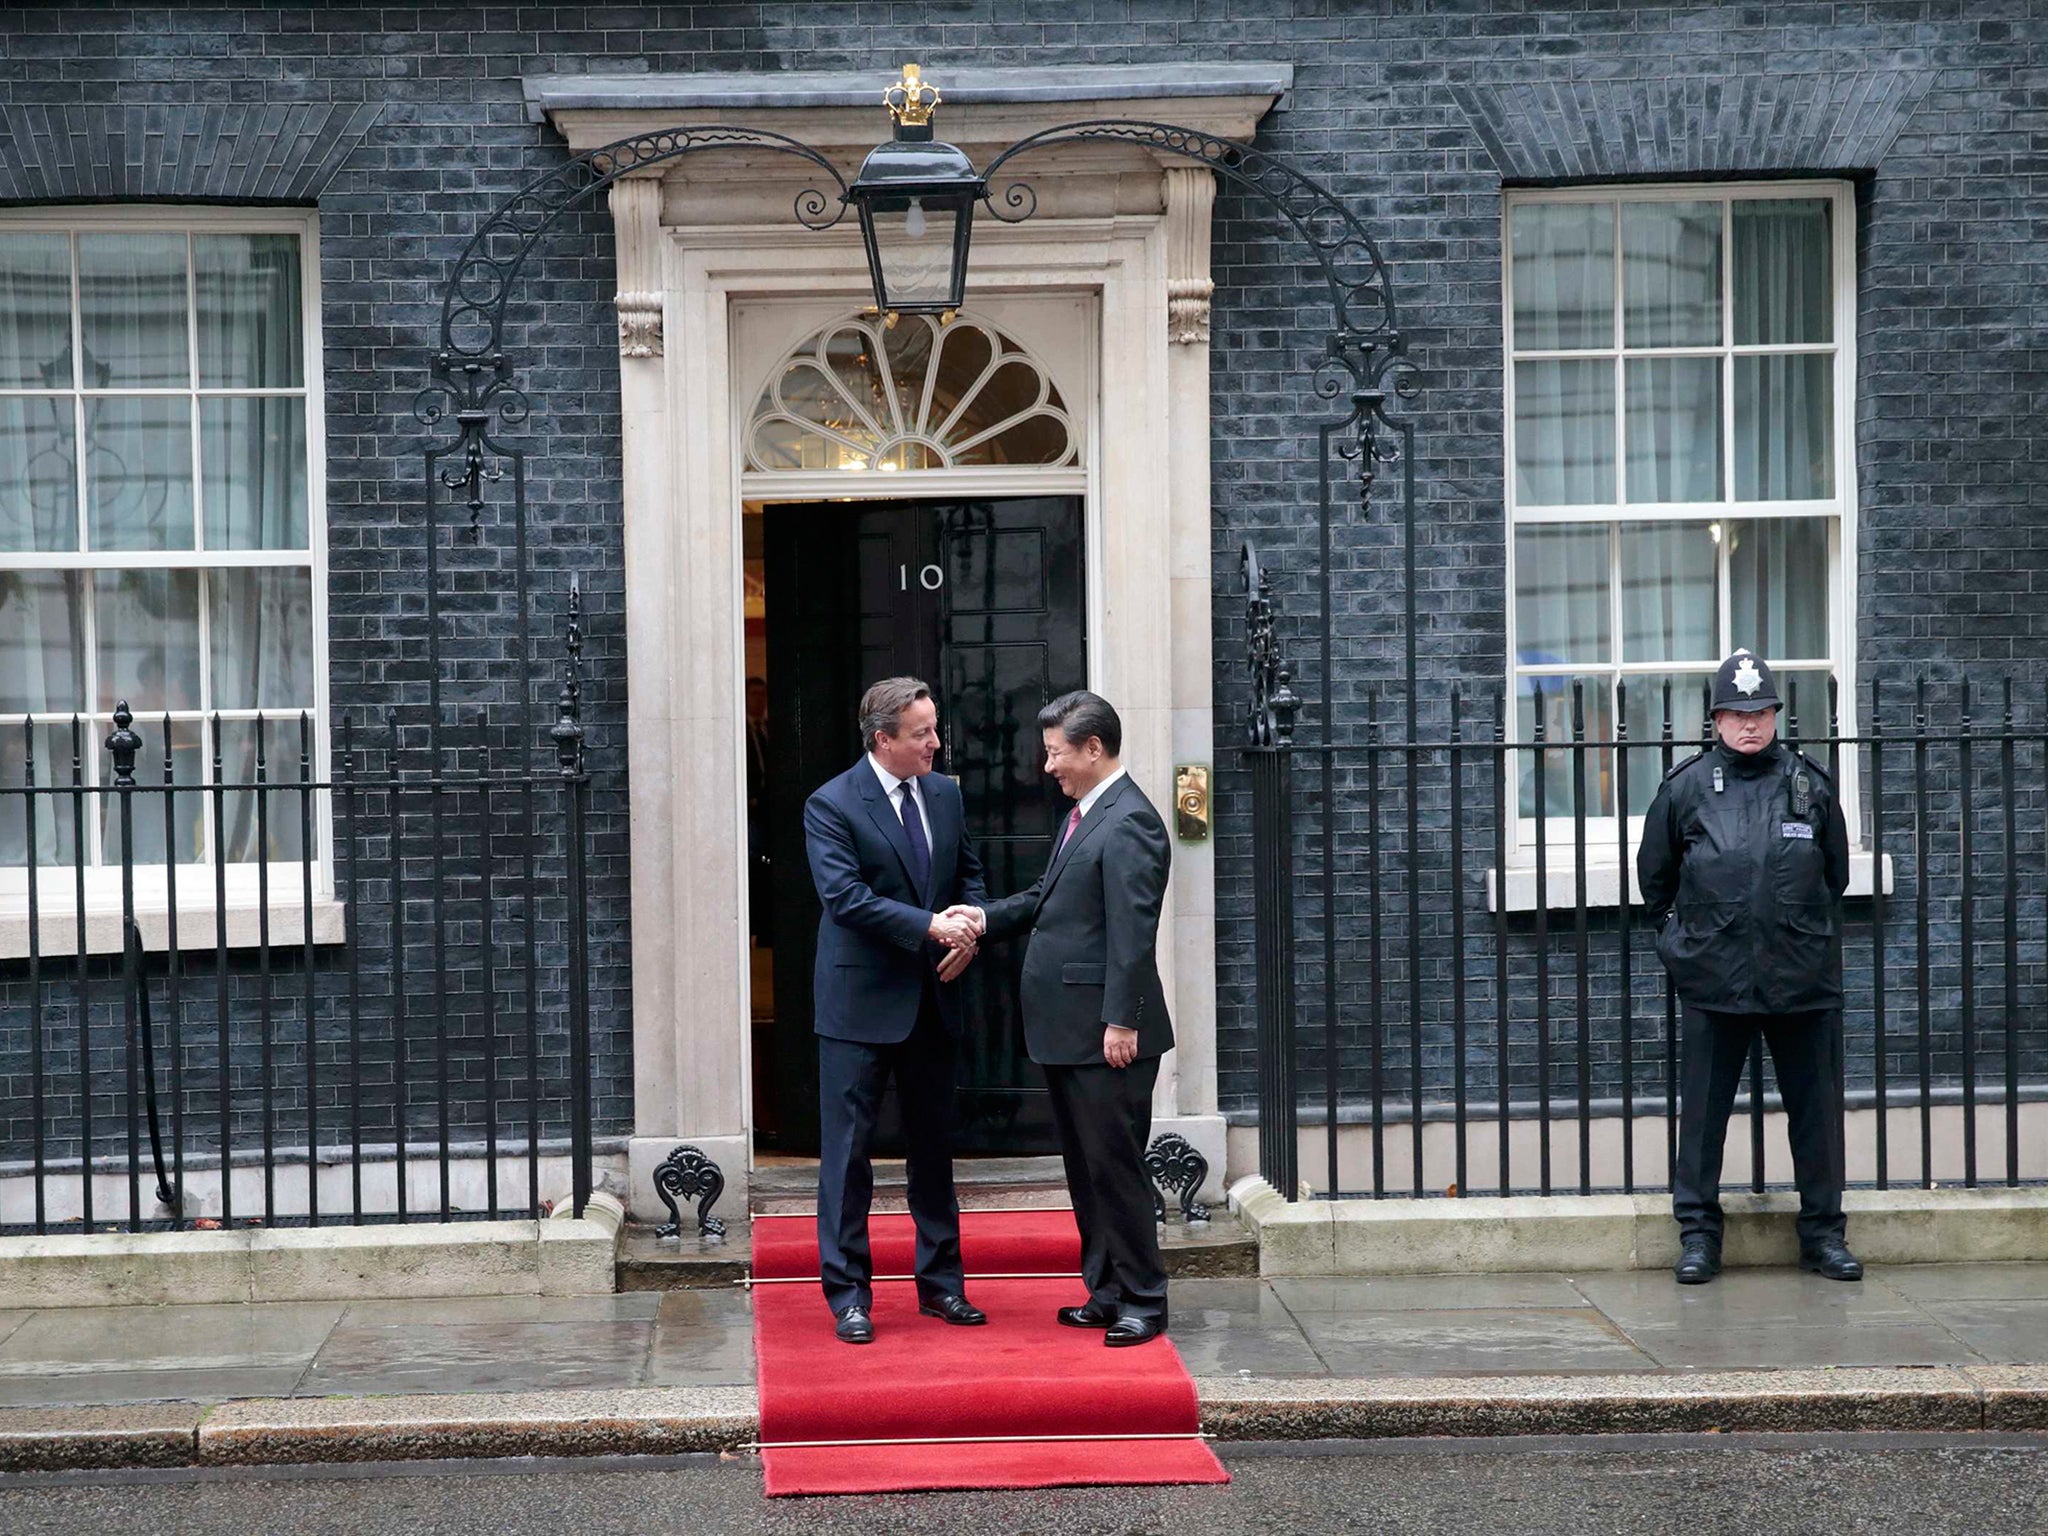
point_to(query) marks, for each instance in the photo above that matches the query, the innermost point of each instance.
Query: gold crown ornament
(911, 100)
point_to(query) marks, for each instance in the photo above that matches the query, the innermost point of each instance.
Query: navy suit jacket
(874, 949)
(1092, 958)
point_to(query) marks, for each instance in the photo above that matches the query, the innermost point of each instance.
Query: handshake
(959, 928)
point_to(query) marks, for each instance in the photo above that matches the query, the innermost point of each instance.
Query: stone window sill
(1603, 882)
(57, 936)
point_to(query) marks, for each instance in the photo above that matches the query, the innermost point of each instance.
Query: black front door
(983, 600)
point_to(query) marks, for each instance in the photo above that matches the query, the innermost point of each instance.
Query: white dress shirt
(891, 784)
(1088, 800)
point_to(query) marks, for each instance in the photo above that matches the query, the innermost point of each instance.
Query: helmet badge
(1747, 678)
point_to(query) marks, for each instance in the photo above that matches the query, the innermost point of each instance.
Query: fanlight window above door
(861, 396)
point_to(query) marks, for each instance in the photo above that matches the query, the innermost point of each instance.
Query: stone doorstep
(1529, 1233)
(561, 1256)
(1221, 1249)
(672, 1420)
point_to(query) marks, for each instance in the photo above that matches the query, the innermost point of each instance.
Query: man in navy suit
(890, 854)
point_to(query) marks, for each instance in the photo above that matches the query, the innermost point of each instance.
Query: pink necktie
(1073, 821)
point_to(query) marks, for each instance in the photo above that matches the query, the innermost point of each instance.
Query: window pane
(42, 643)
(1778, 586)
(248, 292)
(1674, 429)
(1668, 592)
(38, 473)
(1563, 275)
(187, 812)
(1785, 427)
(1564, 433)
(1783, 273)
(1561, 607)
(132, 300)
(138, 471)
(1644, 706)
(253, 451)
(277, 818)
(148, 639)
(1551, 700)
(261, 630)
(1671, 267)
(35, 312)
(54, 819)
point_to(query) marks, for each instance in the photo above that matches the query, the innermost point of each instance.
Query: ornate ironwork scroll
(687, 1174)
(1365, 354)
(1274, 703)
(1174, 1166)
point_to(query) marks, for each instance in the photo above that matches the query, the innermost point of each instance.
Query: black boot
(1699, 1260)
(1831, 1257)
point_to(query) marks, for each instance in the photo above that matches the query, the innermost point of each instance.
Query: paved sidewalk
(1410, 1326)
(1936, 1347)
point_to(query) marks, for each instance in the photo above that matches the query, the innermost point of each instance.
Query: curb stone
(660, 1421)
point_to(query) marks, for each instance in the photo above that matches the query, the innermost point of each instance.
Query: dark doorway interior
(982, 599)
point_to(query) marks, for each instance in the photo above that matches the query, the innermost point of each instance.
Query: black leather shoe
(854, 1328)
(1699, 1260)
(953, 1309)
(1126, 1331)
(1085, 1316)
(1832, 1259)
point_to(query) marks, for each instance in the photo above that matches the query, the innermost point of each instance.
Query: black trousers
(851, 1078)
(1104, 1115)
(1804, 1048)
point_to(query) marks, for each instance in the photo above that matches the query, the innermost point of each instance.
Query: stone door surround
(1118, 228)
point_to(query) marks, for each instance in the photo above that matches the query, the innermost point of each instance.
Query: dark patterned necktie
(920, 849)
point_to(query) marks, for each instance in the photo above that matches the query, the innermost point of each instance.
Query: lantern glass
(918, 246)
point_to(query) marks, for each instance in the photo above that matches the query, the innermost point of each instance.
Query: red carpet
(991, 1243)
(1021, 1403)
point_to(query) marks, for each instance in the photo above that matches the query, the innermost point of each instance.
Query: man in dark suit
(888, 848)
(1094, 1009)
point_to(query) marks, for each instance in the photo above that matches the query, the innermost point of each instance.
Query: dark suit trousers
(851, 1078)
(1714, 1057)
(1104, 1117)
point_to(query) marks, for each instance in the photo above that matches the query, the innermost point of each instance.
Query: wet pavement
(1345, 1327)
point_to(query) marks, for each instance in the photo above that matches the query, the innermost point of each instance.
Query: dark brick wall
(1416, 112)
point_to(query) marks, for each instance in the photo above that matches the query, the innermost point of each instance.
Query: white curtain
(1784, 404)
(1668, 592)
(42, 648)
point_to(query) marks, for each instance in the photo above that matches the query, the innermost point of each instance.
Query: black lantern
(916, 198)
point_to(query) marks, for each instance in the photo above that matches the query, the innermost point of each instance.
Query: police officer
(1742, 866)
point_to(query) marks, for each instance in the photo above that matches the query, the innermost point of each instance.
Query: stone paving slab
(245, 1336)
(114, 1388)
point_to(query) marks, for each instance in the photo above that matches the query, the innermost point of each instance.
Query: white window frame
(1604, 884)
(57, 883)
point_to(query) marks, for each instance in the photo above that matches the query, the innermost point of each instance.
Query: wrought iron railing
(1455, 989)
(379, 1012)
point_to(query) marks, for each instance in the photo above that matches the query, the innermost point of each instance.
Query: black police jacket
(1742, 867)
